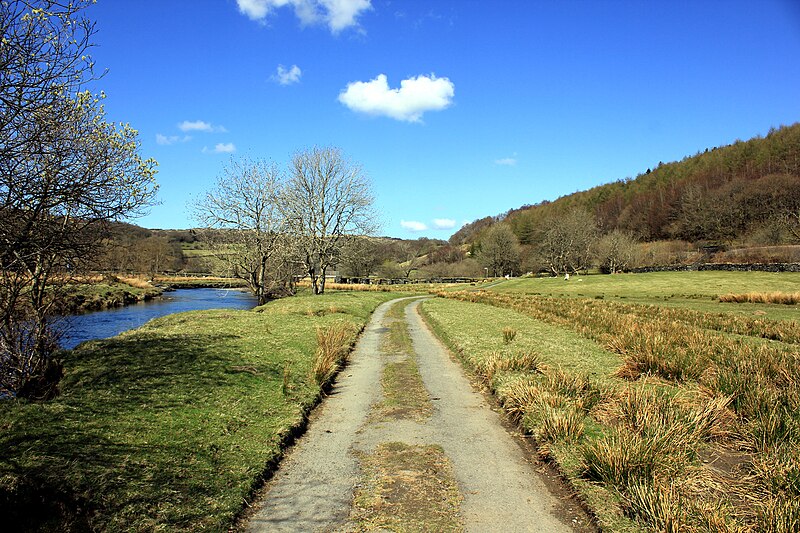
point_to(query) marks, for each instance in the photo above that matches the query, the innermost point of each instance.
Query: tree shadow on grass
(72, 463)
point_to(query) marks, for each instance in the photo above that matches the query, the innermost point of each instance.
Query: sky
(455, 109)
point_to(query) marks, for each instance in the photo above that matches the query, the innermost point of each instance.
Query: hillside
(747, 192)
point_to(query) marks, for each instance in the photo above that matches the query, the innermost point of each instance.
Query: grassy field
(695, 290)
(171, 426)
(664, 417)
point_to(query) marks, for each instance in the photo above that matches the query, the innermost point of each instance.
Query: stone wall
(730, 267)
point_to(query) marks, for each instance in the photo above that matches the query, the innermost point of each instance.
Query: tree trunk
(322, 281)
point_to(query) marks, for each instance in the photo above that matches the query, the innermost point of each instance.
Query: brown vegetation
(784, 298)
(333, 344)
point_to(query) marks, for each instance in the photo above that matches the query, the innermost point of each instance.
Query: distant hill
(744, 192)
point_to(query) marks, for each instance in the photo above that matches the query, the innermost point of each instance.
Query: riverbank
(192, 282)
(107, 294)
(110, 291)
(170, 426)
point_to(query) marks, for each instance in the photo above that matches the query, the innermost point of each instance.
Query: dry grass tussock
(551, 406)
(509, 334)
(785, 298)
(494, 362)
(139, 283)
(333, 345)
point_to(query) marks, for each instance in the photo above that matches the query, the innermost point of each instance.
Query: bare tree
(358, 257)
(567, 244)
(327, 199)
(616, 251)
(64, 174)
(500, 250)
(247, 228)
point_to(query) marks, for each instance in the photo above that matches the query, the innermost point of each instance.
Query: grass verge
(171, 426)
(404, 394)
(407, 488)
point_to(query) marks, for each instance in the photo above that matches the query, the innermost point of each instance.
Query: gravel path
(313, 488)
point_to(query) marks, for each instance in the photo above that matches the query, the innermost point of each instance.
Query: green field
(665, 409)
(696, 290)
(171, 426)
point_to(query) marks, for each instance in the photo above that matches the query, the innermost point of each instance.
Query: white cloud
(197, 125)
(414, 97)
(336, 14)
(224, 148)
(255, 9)
(200, 125)
(165, 140)
(342, 14)
(413, 225)
(506, 161)
(287, 77)
(220, 148)
(444, 223)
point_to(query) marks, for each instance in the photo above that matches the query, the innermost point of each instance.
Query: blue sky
(456, 109)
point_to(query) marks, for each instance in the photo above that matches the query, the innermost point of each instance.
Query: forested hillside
(744, 193)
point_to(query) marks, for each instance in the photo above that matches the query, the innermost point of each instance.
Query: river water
(104, 324)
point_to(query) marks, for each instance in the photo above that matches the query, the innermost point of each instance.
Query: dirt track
(500, 489)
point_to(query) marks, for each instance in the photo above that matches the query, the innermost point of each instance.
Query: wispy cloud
(444, 223)
(200, 125)
(166, 140)
(288, 76)
(413, 225)
(407, 103)
(220, 148)
(338, 15)
(506, 161)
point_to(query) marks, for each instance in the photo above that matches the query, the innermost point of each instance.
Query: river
(111, 322)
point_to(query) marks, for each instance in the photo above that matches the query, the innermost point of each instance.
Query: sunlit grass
(694, 290)
(171, 426)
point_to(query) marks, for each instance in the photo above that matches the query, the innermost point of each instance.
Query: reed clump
(509, 334)
(783, 298)
(494, 362)
(333, 345)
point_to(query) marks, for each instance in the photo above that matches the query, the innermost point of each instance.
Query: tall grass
(509, 334)
(333, 344)
(784, 298)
